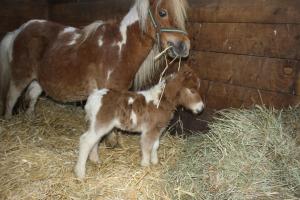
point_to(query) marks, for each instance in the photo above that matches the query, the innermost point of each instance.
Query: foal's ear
(188, 74)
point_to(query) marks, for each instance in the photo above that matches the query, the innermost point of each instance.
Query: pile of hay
(247, 154)
(37, 157)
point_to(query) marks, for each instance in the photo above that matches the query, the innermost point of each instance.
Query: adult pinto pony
(69, 63)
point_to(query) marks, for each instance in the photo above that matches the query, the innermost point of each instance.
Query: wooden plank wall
(13, 13)
(246, 51)
(82, 12)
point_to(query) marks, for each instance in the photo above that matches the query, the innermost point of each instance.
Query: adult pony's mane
(149, 69)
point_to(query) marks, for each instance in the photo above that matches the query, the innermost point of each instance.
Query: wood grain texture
(221, 95)
(268, 40)
(15, 14)
(253, 11)
(87, 12)
(272, 74)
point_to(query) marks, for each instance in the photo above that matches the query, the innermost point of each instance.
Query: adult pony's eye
(193, 91)
(162, 13)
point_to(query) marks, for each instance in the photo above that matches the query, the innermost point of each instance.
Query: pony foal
(147, 112)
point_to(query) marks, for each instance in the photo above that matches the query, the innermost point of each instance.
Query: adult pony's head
(164, 21)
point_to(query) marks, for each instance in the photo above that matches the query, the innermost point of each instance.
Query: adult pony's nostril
(182, 47)
(171, 44)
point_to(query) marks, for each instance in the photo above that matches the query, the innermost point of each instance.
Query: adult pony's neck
(150, 69)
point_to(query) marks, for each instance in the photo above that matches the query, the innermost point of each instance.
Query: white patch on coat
(130, 101)
(74, 39)
(100, 41)
(34, 90)
(108, 74)
(133, 118)
(128, 20)
(153, 94)
(68, 30)
(8, 40)
(34, 21)
(93, 105)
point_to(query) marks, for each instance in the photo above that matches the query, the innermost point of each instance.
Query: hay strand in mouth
(162, 53)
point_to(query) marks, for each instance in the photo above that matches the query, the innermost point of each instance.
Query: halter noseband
(159, 29)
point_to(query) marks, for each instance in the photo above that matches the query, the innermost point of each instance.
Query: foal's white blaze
(130, 101)
(154, 93)
(133, 118)
(197, 107)
(128, 20)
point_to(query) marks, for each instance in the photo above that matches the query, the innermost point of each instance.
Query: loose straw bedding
(37, 157)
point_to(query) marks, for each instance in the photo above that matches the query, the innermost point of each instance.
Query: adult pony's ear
(151, 2)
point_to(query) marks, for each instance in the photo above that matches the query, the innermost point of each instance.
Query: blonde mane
(150, 68)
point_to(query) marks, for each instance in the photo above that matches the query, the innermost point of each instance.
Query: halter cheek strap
(160, 30)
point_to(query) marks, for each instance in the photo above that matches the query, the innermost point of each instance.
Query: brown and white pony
(69, 63)
(148, 112)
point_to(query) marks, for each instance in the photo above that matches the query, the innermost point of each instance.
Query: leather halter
(159, 29)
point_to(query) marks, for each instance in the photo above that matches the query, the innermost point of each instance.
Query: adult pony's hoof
(113, 140)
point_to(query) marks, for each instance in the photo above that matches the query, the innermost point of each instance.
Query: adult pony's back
(69, 63)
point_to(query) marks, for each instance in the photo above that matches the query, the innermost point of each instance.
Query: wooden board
(269, 40)
(15, 14)
(277, 75)
(255, 11)
(220, 95)
(87, 12)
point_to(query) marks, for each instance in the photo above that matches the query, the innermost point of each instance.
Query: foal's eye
(162, 13)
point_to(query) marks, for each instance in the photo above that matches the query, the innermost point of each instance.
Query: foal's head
(166, 22)
(186, 84)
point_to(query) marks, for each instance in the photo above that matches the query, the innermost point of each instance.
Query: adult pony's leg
(113, 139)
(13, 94)
(34, 90)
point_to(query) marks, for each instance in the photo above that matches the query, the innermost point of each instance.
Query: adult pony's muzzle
(179, 42)
(179, 49)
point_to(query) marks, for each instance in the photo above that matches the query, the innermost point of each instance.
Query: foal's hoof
(79, 172)
(145, 163)
(7, 116)
(94, 159)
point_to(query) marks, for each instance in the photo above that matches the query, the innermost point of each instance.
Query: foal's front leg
(87, 141)
(149, 145)
(93, 156)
